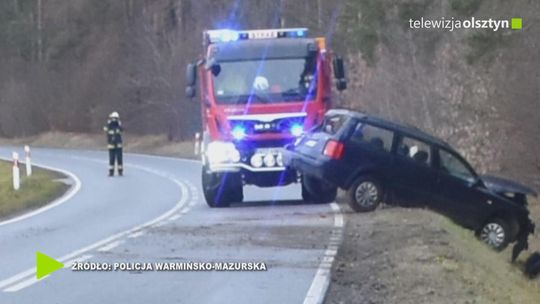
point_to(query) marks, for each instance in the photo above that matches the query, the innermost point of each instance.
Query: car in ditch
(376, 160)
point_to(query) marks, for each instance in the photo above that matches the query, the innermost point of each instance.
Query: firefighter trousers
(116, 157)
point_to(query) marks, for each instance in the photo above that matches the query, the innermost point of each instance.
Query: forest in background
(66, 64)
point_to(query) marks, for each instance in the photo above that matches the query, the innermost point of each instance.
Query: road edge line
(27, 276)
(321, 282)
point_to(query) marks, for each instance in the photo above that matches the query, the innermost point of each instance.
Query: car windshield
(454, 166)
(265, 81)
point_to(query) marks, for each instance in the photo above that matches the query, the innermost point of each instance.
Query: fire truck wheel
(220, 190)
(317, 191)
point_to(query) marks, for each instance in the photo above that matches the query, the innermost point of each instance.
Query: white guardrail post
(28, 160)
(16, 172)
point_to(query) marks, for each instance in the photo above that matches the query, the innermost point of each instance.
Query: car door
(369, 149)
(457, 194)
(412, 175)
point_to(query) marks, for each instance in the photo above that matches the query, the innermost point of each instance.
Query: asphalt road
(154, 214)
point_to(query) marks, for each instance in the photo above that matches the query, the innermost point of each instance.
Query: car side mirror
(339, 74)
(476, 183)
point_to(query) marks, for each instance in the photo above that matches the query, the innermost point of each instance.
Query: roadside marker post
(28, 160)
(197, 143)
(16, 172)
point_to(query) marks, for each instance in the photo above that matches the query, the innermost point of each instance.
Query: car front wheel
(365, 194)
(495, 233)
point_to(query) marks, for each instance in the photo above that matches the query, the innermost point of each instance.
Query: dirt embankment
(398, 255)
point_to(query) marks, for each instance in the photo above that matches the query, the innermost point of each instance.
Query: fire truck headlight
(269, 160)
(257, 160)
(222, 152)
(239, 132)
(279, 160)
(297, 130)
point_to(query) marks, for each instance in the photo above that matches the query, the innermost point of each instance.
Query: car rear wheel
(317, 191)
(221, 189)
(495, 233)
(365, 194)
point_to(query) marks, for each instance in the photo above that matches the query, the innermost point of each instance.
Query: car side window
(454, 166)
(415, 150)
(375, 137)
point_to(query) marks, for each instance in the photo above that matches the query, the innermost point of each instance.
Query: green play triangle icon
(46, 265)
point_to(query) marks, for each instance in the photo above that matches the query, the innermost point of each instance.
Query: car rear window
(375, 137)
(332, 124)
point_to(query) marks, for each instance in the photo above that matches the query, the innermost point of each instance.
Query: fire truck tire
(317, 191)
(220, 190)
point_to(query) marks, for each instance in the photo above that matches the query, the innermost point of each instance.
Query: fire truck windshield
(266, 81)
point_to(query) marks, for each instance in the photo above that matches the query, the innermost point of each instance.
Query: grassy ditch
(38, 190)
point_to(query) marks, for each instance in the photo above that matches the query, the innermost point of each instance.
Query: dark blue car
(374, 160)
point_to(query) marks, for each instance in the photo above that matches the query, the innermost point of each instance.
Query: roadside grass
(36, 191)
(148, 144)
(490, 275)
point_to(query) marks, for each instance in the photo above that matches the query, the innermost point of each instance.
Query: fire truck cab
(259, 91)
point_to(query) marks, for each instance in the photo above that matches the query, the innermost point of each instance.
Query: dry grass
(35, 191)
(149, 144)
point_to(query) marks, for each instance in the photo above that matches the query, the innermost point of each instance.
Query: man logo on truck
(259, 90)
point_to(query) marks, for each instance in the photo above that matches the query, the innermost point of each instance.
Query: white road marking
(175, 217)
(319, 286)
(136, 234)
(33, 280)
(31, 272)
(109, 246)
(83, 258)
(66, 197)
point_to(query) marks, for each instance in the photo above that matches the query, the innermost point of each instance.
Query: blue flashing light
(223, 35)
(229, 35)
(239, 132)
(297, 130)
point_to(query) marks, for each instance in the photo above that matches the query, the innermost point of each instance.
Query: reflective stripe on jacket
(114, 133)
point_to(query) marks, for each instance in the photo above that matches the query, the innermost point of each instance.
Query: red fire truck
(259, 90)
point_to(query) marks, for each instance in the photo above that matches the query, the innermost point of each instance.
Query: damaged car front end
(517, 194)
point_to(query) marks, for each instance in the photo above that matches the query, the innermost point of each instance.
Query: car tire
(317, 191)
(495, 233)
(532, 265)
(220, 190)
(365, 194)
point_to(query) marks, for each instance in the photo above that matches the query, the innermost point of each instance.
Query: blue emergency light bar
(228, 35)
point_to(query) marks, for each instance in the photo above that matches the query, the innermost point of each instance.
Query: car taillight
(333, 149)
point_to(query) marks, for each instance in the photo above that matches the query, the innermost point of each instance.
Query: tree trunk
(39, 30)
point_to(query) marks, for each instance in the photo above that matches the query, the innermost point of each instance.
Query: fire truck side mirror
(191, 79)
(339, 74)
(191, 74)
(190, 91)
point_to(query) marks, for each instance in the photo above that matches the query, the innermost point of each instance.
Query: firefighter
(114, 143)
